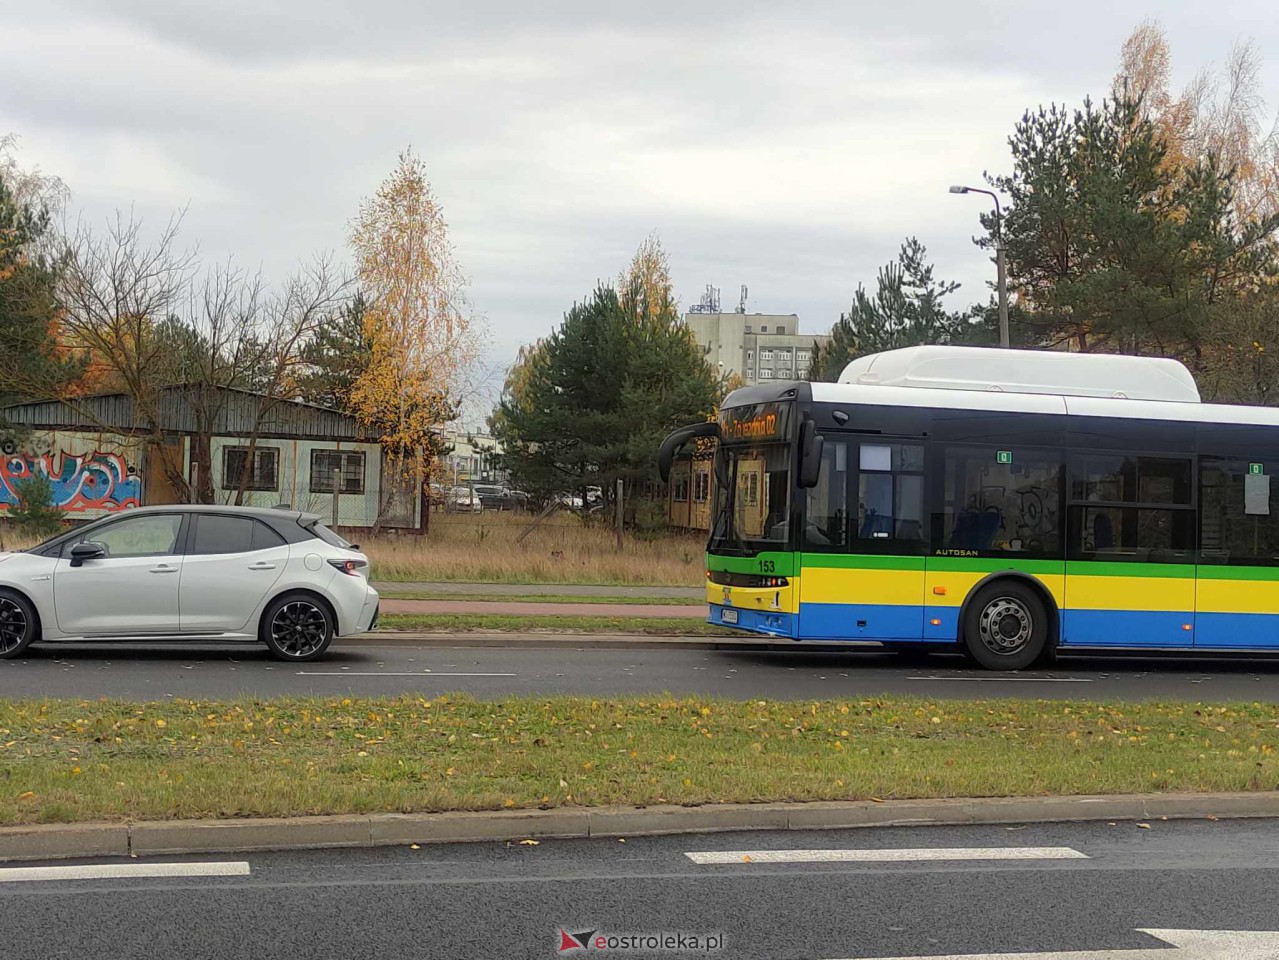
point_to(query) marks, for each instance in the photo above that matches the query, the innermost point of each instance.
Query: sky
(788, 147)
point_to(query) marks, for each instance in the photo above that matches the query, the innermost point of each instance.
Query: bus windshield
(752, 498)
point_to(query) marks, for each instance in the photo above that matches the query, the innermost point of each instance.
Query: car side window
(152, 535)
(219, 534)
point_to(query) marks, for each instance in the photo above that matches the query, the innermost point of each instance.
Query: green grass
(540, 598)
(497, 623)
(65, 760)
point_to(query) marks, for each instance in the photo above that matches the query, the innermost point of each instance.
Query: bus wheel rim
(1005, 626)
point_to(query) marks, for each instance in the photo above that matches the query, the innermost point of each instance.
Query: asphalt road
(384, 666)
(1088, 888)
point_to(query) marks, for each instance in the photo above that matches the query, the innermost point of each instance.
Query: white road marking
(901, 855)
(381, 673)
(1186, 944)
(124, 871)
(1010, 679)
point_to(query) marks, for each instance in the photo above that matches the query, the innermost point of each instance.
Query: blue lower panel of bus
(1237, 631)
(861, 621)
(756, 621)
(1127, 628)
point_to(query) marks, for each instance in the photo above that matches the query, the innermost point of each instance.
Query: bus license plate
(728, 616)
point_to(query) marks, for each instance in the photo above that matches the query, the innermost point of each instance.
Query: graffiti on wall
(82, 482)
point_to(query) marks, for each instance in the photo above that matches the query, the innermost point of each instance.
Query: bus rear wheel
(1006, 626)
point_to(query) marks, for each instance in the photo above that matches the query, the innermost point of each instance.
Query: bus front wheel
(1006, 626)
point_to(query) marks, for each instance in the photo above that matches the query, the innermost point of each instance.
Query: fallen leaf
(529, 843)
(746, 858)
(1144, 826)
(1211, 817)
(26, 796)
(876, 800)
(414, 846)
(621, 839)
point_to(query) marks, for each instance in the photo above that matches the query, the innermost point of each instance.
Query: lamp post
(1001, 277)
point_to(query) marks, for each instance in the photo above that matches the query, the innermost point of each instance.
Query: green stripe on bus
(1213, 571)
(1109, 568)
(783, 564)
(992, 564)
(862, 561)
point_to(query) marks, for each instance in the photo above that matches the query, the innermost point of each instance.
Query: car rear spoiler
(672, 444)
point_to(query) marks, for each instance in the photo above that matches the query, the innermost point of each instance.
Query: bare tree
(113, 288)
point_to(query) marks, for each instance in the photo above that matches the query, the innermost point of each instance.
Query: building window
(750, 354)
(350, 463)
(702, 486)
(679, 488)
(748, 328)
(766, 354)
(763, 328)
(801, 356)
(766, 374)
(263, 475)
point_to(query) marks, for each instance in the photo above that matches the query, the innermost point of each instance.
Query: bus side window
(890, 492)
(827, 524)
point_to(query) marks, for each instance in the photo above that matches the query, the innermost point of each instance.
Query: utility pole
(337, 483)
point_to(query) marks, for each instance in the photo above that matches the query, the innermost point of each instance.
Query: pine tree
(34, 514)
(905, 311)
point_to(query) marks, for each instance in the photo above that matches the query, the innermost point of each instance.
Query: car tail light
(350, 567)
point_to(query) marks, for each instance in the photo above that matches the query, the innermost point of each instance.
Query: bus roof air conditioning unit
(1026, 371)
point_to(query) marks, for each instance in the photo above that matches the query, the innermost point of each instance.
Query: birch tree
(417, 321)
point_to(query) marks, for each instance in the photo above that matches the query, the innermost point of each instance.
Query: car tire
(297, 627)
(1005, 626)
(19, 624)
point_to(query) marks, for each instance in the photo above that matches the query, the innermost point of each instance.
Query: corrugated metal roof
(235, 414)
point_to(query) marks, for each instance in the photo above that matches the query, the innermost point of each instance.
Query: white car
(190, 572)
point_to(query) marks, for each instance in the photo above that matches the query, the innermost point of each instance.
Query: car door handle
(164, 568)
(262, 566)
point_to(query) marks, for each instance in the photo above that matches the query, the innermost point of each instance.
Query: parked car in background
(496, 497)
(183, 572)
(463, 500)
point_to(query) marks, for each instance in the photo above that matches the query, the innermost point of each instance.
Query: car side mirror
(87, 550)
(810, 454)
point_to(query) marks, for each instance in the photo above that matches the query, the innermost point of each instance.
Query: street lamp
(1001, 280)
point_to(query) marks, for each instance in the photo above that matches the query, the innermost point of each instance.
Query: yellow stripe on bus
(958, 585)
(835, 585)
(1130, 593)
(1237, 596)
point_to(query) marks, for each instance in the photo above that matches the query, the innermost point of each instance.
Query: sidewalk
(515, 608)
(537, 589)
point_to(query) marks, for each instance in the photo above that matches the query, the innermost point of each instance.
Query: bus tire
(1005, 626)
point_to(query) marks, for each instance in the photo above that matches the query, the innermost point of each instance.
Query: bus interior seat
(1103, 532)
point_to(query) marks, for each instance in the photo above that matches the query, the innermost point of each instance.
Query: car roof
(274, 513)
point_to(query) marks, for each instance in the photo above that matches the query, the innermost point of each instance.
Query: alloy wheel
(13, 625)
(299, 628)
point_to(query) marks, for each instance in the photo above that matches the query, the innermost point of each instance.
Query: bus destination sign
(759, 421)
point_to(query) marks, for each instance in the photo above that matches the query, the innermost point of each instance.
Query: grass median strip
(393, 594)
(67, 760)
(499, 623)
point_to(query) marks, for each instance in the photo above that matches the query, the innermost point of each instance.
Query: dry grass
(563, 549)
(65, 760)
(498, 623)
(482, 548)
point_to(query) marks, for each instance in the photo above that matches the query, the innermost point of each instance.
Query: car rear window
(327, 535)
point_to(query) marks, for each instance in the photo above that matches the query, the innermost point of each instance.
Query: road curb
(180, 837)
(561, 639)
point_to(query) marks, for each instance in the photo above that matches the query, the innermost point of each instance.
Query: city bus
(1004, 503)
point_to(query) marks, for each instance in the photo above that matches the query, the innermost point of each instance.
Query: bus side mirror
(672, 444)
(810, 454)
